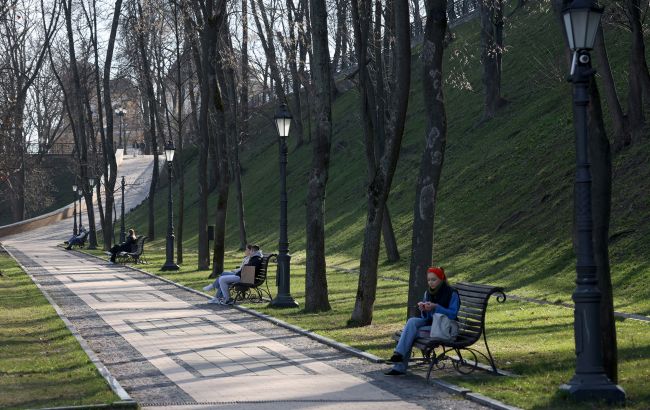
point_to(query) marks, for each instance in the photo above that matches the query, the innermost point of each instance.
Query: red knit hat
(439, 272)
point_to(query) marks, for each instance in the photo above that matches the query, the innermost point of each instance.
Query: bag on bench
(443, 328)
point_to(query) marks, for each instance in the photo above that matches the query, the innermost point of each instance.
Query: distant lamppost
(74, 201)
(122, 222)
(92, 242)
(80, 193)
(581, 20)
(283, 299)
(169, 263)
(120, 113)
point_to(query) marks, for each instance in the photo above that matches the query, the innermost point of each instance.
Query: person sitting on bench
(222, 283)
(77, 239)
(438, 298)
(127, 246)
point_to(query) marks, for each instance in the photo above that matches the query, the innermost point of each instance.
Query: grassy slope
(41, 363)
(505, 203)
(504, 216)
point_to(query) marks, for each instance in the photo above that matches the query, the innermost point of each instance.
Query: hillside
(505, 205)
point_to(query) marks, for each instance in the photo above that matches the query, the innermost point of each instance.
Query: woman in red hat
(438, 298)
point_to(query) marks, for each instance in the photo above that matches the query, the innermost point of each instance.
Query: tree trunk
(243, 124)
(601, 200)
(428, 183)
(417, 20)
(380, 178)
(227, 117)
(316, 294)
(388, 233)
(638, 81)
(491, 12)
(209, 37)
(619, 121)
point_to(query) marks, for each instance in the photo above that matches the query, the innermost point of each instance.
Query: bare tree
(316, 297)
(389, 121)
(492, 47)
(428, 183)
(24, 42)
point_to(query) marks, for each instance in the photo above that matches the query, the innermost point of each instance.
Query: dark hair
(255, 248)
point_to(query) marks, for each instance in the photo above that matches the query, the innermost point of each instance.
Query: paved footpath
(168, 348)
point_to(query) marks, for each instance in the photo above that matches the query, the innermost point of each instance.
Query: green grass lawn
(41, 363)
(533, 341)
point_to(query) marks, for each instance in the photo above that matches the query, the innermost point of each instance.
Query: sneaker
(215, 301)
(111, 263)
(229, 302)
(393, 372)
(208, 288)
(68, 248)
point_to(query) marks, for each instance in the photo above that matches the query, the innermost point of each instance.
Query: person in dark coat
(129, 245)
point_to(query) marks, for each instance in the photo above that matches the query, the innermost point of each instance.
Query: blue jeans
(216, 286)
(405, 344)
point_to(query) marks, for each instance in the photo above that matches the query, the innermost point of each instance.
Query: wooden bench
(471, 319)
(137, 256)
(255, 291)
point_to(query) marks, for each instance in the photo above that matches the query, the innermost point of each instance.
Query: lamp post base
(170, 266)
(594, 387)
(284, 301)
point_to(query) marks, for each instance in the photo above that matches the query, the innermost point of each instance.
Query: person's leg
(405, 343)
(215, 284)
(114, 251)
(224, 285)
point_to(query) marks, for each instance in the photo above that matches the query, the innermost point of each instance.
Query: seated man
(77, 239)
(129, 245)
(223, 282)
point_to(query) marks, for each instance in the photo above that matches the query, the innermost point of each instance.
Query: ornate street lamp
(92, 242)
(80, 193)
(74, 201)
(581, 19)
(122, 221)
(283, 299)
(169, 263)
(120, 113)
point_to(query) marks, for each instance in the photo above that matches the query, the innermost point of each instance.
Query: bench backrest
(84, 236)
(473, 304)
(139, 245)
(260, 274)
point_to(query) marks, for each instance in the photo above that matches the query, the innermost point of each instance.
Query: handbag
(247, 275)
(443, 328)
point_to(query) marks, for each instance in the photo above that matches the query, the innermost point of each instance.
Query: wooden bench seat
(474, 300)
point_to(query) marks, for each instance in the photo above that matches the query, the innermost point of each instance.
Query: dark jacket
(254, 260)
(447, 300)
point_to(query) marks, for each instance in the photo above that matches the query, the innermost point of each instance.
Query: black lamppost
(283, 280)
(92, 242)
(122, 222)
(80, 193)
(120, 113)
(169, 263)
(581, 20)
(74, 201)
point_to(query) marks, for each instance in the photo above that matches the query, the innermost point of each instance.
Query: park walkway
(167, 348)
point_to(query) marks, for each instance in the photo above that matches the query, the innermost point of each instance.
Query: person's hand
(429, 306)
(421, 306)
